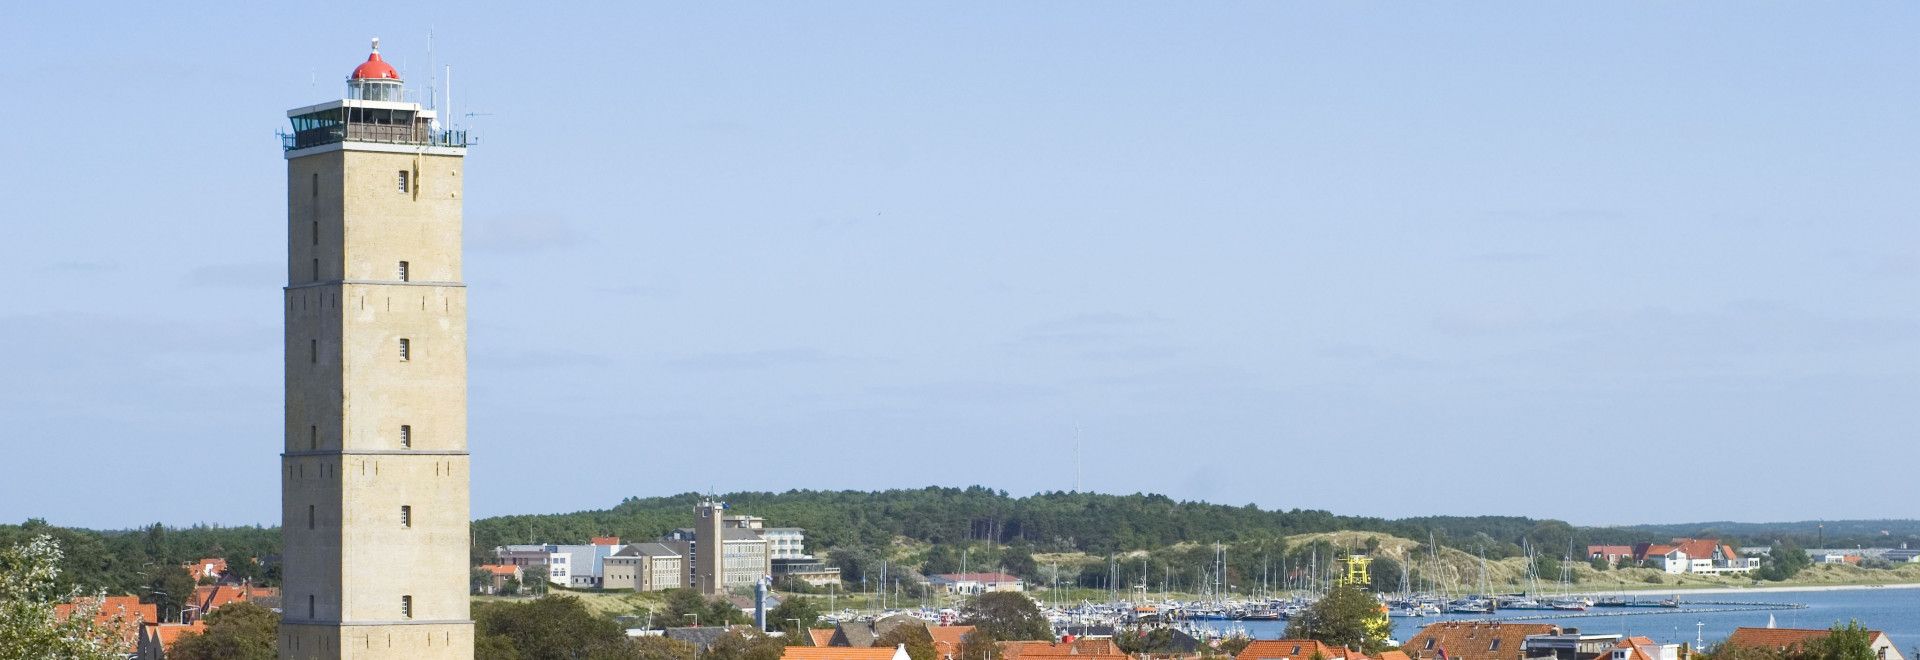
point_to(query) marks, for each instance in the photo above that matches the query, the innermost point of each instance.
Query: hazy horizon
(1641, 262)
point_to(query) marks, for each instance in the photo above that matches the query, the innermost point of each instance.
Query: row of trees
(1046, 522)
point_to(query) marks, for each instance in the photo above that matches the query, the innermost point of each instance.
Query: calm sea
(1894, 611)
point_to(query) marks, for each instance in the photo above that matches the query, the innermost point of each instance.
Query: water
(1893, 611)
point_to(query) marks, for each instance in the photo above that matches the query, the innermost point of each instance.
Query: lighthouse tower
(374, 510)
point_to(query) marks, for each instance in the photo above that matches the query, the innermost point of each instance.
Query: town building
(1698, 556)
(1902, 556)
(844, 653)
(1474, 640)
(1643, 648)
(210, 568)
(374, 499)
(569, 565)
(1570, 644)
(643, 567)
(1785, 639)
(976, 583)
(1612, 554)
(947, 640)
(1067, 649)
(809, 571)
(744, 559)
(862, 634)
(1290, 649)
(498, 575)
(156, 639)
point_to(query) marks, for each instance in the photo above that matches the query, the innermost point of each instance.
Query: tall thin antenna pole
(1076, 457)
(433, 72)
(450, 115)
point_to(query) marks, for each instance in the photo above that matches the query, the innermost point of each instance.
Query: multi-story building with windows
(643, 567)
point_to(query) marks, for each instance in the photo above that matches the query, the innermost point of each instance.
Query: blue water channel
(1894, 611)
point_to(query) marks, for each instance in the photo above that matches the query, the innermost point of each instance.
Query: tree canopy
(30, 590)
(235, 631)
(1006, 616)
(1347, 616)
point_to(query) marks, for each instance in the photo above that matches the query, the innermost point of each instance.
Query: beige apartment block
(375, 486)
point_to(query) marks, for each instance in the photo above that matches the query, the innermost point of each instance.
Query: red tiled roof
(1780, 638)
(838, 653)
(820, 636)
(131, 612)
(1474, 640)
(1704, 548)
(1078, 647)
(605, 540)
(500, 569)
(946, 639)
(168, 633)
(208, 567)
(1289, 649)
(1392, 655)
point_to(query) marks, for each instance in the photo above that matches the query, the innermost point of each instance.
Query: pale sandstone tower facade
(374, 507)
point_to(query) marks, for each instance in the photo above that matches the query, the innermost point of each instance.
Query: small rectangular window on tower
(403, 180)
(316, 270)
(406, 350)
(309, 606)
(406, 436)
(403, 272)
(316, 184)
(313, 438)
(406, 607)
(309, 516)
(406, 515)
(313, 350)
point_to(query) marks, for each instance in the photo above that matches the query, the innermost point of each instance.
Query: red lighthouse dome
(375, 69)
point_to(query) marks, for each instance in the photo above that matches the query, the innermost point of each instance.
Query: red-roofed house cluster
(1683, 555)
(145, 634)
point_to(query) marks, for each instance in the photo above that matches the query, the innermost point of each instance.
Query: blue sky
(1620, 262)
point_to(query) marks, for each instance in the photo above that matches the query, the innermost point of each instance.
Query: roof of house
(210, 596)
(167, 633)
(207, 566)
(1609, 550)
(1780, 638)
(701, 637)
(977, 577)
(131, 612)
(838, 653)
(500, 569)
(1474, 640)
(646, 550)
(604, 540)
(820, 636)
(1639, 648)
(1395, 654)
(947, 639)
(1289, 649)
(862, 634)
(1704, 548)
(1040, 650)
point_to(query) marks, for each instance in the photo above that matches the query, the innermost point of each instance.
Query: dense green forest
(858, 528)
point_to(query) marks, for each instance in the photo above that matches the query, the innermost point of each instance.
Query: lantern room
(374, 111)
(374, 79)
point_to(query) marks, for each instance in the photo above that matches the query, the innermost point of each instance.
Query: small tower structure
(1357, 573)
(374, 497)
(710, 547)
